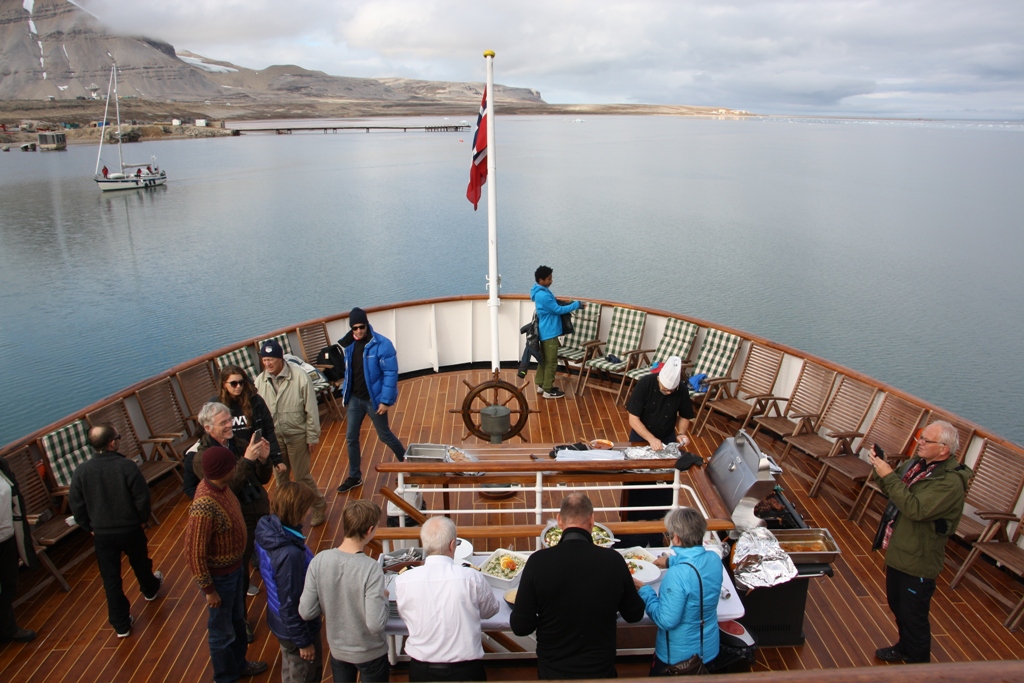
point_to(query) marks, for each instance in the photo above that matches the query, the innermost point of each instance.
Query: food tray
(497, 581)
(426, 452)
(827, 555)
(552, 524)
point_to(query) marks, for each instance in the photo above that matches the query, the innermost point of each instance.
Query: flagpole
(493, 279)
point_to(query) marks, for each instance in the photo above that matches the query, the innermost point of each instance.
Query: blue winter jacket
(284, 557)
(380, 368)
(675, 608)
(549, 311)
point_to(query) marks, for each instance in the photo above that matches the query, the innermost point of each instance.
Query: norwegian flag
(478, 171)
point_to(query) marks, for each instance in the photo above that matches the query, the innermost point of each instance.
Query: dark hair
(102, 435)
(358, 516)
(291, 501)
(248, 391)
(542, 273)
(576, 508)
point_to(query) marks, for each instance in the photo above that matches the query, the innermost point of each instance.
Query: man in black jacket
(110, 498)
(570, 595)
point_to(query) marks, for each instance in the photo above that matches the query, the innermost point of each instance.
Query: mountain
(52, 48)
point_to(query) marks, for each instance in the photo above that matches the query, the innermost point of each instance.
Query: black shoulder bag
(694, 666)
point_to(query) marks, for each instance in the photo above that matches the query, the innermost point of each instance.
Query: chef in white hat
(660, 409)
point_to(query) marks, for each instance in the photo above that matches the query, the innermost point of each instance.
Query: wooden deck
(847, 617)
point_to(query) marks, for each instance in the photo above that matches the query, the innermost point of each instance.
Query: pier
(288, 130)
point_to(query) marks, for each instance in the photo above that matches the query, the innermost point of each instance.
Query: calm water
(894, 249)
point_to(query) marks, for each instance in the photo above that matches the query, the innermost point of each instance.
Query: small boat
(28, 147)
(124, 178)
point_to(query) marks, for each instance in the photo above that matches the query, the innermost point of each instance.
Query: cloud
(893, 57)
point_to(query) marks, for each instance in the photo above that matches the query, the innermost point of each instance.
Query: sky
(904, 58)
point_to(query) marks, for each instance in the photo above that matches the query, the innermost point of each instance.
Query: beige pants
(295, 453)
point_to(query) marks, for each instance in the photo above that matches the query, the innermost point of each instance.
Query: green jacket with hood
(929, 512)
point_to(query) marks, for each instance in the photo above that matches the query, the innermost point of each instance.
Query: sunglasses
(237, 383)
(359, 327)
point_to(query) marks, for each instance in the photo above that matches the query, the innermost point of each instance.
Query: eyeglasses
(117, 437)
(237, 383)
(359, 327)
(923, 440)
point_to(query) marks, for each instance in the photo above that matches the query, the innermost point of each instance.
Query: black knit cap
(271, 349)
(358, 317)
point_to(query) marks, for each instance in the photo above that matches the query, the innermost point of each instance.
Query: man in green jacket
(926, 501)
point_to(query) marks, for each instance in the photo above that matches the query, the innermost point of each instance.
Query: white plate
(638, 554)
(647, 571)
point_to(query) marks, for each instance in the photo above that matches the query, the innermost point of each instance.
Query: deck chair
(715, 359)
(741, 399)
(325, 394)
(623, 339)
(163, 415)
(313, 339)
(810, 393)
(677, 340)
(198, 386)
(242, 357)
(994, 489)
(64, 450)
(580, 346)
(870, 489)
(842, 417)
(161, 458)
(1006, 552)
(892, 429)
(41, 511)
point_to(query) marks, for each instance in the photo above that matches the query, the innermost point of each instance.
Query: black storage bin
(775, 615)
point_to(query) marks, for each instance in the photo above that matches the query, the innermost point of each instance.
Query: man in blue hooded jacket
(549, 322)
(371, 388)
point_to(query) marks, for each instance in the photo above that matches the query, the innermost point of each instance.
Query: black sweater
(109, 494)
(570, 595)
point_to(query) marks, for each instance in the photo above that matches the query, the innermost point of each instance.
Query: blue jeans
(226, 625)
(374, 671)
(359, 408)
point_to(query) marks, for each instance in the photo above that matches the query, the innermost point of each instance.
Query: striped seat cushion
(677, 340)
(67, 448)
(717, 354)
(624, 336)
(585, 323)
(242, 357)
(574, 355)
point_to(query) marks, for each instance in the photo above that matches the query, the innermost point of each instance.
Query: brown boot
(318, 518)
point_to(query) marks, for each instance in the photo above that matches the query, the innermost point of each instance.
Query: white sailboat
(127, 176)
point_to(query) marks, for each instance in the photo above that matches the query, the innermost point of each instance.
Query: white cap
(670, 372)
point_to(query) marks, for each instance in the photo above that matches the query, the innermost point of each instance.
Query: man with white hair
(660, 410)
(442, 604)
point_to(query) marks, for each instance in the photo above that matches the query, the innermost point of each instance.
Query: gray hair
(687, 525)
(209, 411)
(948, 436)
(437, 535)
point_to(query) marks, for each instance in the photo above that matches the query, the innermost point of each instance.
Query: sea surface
(894, 248)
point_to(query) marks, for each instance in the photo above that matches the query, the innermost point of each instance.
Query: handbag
(694, 666)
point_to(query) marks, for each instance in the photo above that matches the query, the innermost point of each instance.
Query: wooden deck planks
(847, 616)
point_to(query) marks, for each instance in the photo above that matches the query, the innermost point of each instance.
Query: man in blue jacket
(549, 322)
(371, 387)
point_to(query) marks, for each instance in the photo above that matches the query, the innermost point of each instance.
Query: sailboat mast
(117, 108)
(103, 130)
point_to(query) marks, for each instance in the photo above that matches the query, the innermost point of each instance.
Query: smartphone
(257, 436)
(879, 453)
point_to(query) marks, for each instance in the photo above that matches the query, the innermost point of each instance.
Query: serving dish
(637, 553)
(601, 534)
(503, 568)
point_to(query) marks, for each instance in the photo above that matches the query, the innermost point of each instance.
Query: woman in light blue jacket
(676, 607)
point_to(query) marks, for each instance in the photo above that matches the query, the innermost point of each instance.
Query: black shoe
(554, 392)
(253, 668)
(21, 635)
(160, 577)
(249, 637)
(401, 458)
(349, 484)
(521, 374)
(889, 654)
(128, 631)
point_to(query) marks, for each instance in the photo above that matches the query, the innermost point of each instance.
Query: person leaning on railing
(693, 582)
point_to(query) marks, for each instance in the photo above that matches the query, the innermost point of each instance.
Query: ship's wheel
(494, 392)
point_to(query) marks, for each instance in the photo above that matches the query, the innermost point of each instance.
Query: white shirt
(442, 605)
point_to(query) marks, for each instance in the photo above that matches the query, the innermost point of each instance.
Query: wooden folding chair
(163, 415)
(842, 417)
(41, 511)
(994, 489)
(242, 357)
(611, 356)
(803, 408)
(749, 395)
(580, 346)
(892, 429)
(1005, 551)
(677, 340)
(313, 338)
(197, 386)
(715, 359)
(64, 449)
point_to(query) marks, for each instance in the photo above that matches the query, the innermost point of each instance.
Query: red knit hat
(217, 462)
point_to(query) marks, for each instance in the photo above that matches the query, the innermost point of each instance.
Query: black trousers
(910, 598)
(8, 585)
(472, 670)
(108, 557)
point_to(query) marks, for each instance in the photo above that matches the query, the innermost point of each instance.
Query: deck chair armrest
(169, 435)
(592, 344)
(686, 365)
(844, 435)
(761, 397)
(320, 366)
(990, 515)
(637, 352)
(161, 438)
(720, 380)
(805, 416)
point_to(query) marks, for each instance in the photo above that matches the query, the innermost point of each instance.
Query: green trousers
(545, 376)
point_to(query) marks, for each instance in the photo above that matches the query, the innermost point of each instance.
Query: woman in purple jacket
(284, 556)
